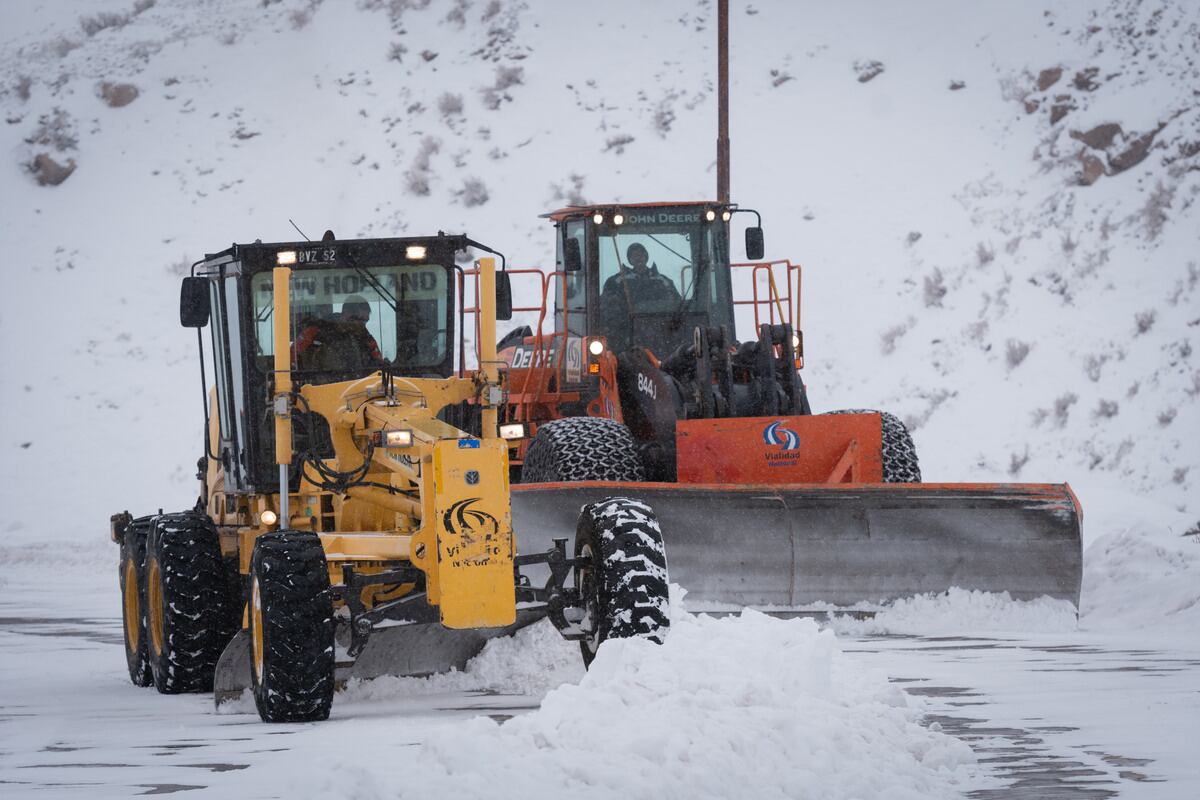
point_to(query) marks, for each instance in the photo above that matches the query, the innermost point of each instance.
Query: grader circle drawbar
(345, 527)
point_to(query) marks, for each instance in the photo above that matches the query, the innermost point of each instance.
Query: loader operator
(341, 343)
(635, 289)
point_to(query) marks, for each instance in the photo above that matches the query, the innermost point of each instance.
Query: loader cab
(356, 307)
(644, 275)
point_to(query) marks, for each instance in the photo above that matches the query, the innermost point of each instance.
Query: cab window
(347, 323)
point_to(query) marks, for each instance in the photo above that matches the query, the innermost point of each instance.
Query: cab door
(571, 311)
(229, 380)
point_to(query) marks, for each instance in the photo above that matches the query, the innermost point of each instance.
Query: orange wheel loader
(638, 384)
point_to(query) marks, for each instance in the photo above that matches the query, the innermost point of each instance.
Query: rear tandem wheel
(132, 572)
(189, 616)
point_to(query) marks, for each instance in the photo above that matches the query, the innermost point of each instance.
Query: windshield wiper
(687, 261)
(372, 280)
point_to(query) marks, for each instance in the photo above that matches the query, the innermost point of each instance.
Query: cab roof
(458, 241)
(569, 212)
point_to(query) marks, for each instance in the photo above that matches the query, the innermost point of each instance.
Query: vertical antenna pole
(722, 101)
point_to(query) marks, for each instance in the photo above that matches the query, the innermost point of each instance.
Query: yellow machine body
(448, 512)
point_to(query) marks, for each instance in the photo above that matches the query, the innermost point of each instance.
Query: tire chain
(297, 613)
(197, 619)
(900, 464)
(582, 449)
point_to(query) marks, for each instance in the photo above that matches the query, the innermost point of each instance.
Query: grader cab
(345, 527)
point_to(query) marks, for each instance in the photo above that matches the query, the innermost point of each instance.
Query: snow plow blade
(416, 650)
(794, 546)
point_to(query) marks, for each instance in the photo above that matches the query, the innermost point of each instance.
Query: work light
(512, 430)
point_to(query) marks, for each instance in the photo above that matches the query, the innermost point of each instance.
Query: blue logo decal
(469, 444)
(776, 435)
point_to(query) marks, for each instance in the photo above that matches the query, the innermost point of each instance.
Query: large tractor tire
(582, 449)
(189, 618)
(133, 602)
(622, 577)
(291, 628)
(900, 463)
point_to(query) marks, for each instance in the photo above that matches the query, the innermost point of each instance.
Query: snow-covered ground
(748, 706)
(985, 253)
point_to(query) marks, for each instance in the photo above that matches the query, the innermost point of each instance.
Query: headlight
(618, 219)
(512, 430)
(397, 439)
(795, 342)
(726, 215)
(285, 257)
(414, 252)
(596, 347)
(597, 218)
(268, 518)
(710, 215)
(401, 438)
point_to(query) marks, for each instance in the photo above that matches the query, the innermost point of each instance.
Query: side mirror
(504, 309)
(572, 257)
(194, 303)
(754, 244)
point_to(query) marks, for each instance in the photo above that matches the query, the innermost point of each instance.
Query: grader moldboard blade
(795, 546)
(414, 650)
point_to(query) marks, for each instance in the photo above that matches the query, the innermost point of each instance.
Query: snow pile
(533, 661)
(749, 706)
(963, 611)
(1146, 572)
(1136, 578)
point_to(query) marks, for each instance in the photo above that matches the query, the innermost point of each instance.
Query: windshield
(660, 264)
(349, 322)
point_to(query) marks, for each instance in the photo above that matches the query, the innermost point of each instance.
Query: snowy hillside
(995, 206)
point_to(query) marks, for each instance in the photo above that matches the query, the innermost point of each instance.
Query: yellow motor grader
(346, 527)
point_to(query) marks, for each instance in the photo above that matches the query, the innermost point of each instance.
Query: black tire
(291, 628)
(623, 577)
(582, 449)
(132, 573)
(900, 463)
(189, 617)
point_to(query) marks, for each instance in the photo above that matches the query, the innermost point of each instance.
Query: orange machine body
(840, 448)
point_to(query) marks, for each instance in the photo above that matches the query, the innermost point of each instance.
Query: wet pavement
(1027, 706)
(78, 728)
(1056, 754)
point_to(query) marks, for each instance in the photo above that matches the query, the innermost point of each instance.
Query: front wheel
(291, 628)
(899, 454)
(582, 449)
(622, 574)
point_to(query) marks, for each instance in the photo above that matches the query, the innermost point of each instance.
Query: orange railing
(780, 306)
(544, 345)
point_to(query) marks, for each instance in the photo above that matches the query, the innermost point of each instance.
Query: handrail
(541, 352)
(785, 304)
